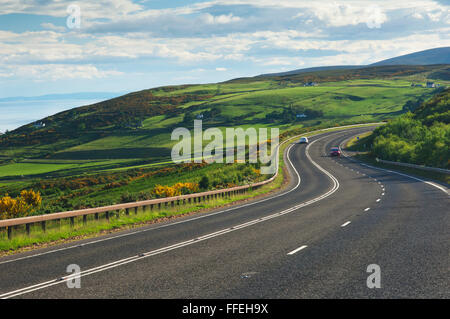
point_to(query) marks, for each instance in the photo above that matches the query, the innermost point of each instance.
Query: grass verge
(436, 176)
(370, 159)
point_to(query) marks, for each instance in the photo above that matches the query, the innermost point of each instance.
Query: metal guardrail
(149, 204)
(423, 167)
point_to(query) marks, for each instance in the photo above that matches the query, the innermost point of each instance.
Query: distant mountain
(314, 69)
(427, 57)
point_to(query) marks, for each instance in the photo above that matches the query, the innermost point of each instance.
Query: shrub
(21, 206)
(204, 182)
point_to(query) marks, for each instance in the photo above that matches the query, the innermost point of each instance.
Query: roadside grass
(57, 231)
(352, 142)
(364, 155)
(436, 176)
(63, 230)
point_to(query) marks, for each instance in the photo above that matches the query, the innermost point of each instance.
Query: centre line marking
(378, 200)
(297, 250)
(345, 224)
(366, 209)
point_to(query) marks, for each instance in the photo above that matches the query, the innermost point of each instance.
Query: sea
(14, 114)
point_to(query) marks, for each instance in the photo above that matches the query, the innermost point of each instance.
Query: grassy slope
(421, 137)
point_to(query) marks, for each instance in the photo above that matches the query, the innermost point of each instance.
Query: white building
(39, 125)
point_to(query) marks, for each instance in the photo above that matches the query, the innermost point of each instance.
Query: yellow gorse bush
(175, 190)
(21, 206)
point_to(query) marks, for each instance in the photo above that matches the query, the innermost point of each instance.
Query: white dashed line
(378, 200)
(366, 209)
(297, 250)
(345, 224)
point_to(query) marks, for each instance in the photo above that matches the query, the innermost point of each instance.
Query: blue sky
(125, 45)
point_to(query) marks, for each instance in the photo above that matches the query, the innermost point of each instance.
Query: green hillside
(421, 137)
(138, 125)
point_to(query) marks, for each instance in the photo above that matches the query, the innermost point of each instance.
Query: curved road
(315, 239)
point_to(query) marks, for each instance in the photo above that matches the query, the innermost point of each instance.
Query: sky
(49, 47)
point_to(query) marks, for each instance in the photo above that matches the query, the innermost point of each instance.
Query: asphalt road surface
(314, 239)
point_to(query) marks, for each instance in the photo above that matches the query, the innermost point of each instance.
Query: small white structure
(38, 125)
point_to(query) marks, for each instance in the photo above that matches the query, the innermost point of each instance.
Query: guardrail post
(127, 211)
(135, 210)
(9, 230)
(27, 227)
(72, 221)
(84, 219)
(43, 226)
(96, 216)
(107, 216)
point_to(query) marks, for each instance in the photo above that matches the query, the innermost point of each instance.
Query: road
(314, 239)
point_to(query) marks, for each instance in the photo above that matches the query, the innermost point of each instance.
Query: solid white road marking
(345, 224)
(297, 250)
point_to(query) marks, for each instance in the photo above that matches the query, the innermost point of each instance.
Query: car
(303, 140)
(335, 151)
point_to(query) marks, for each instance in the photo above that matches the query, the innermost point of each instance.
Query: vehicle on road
(303, 140)
(335, 151)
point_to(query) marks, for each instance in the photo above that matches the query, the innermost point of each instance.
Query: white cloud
(220, 19)
(56, 72)
(303, 26)
(106, 9)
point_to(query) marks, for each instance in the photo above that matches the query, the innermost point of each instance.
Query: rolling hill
(426, 57)
(138, 125)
